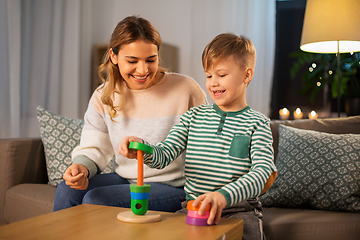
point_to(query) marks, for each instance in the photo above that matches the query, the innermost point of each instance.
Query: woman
(137, 98)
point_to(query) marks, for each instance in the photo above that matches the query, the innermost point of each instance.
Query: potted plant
(322, 72)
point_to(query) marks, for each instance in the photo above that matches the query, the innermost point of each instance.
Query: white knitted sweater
(148, 114)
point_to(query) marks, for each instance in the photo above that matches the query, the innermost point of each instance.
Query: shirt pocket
(240, 146)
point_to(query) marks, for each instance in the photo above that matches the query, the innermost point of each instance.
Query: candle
(313, 115)
(284, 114)
(140, 158)
(298, 114)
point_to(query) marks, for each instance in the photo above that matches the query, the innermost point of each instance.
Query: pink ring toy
(194, 214)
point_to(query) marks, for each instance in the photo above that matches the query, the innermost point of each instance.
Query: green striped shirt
(228, 152)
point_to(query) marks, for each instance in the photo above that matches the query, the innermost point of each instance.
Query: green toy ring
(141, 146)
(140, 189)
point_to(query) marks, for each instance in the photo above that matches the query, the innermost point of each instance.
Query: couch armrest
(22, 160)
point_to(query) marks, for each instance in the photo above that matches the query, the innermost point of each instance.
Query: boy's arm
(164, 153)
(269, 182)
(175, 144)
(262, 172)
(167, 151)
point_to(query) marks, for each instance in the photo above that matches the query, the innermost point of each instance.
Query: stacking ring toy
(193, 218)
(140, 191)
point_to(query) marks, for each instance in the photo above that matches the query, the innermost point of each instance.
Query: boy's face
(227, 82)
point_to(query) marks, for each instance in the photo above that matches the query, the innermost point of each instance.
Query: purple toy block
(196, 221)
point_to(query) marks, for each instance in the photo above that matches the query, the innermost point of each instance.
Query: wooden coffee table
(100, 222)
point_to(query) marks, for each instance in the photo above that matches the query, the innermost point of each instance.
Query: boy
(229, 154)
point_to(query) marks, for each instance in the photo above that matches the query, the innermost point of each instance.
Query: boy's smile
(226, 83)
(218, 93)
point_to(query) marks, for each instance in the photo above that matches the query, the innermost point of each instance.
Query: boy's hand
(124, 147)
(218, 203)
(76, 176)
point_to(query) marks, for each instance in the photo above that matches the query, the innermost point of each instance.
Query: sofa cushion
(60, 135)
(316, 170)
(328, 125)
(299, 224)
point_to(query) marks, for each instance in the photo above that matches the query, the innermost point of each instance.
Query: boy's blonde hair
(227, 44)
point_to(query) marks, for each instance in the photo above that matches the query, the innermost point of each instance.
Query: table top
(100, 222)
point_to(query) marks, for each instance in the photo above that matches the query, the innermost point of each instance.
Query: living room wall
(47, 49)
(190, 25)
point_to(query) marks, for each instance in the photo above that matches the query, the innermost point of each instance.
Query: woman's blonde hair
(227, 44)
(130, 29)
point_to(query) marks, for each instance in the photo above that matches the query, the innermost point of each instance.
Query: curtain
(39, 62)
(9, 68)
(46, 47)
(252, 18)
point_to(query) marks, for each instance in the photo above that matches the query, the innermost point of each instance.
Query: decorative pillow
(60, 135)
(316, 170)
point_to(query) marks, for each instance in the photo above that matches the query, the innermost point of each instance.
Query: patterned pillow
(60, 135)
(316, 170)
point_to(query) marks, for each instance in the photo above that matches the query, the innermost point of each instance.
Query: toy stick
(141, 148)
(140, 158)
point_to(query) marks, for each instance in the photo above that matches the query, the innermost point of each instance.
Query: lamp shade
(328, 22)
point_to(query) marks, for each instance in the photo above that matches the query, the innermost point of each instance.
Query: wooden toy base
(129, 216)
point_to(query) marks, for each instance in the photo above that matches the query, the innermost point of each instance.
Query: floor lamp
(331, 26)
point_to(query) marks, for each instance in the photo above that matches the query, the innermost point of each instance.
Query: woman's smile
(140, 78)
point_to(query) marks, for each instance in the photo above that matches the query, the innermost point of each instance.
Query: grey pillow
(60, 135)
(316, 170)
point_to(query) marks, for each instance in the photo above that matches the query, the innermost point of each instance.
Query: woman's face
(138, 64)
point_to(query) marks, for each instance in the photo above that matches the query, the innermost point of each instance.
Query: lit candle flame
(298, 114)
(284, 114)
(313, 115)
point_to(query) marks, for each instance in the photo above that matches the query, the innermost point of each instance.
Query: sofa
(25, 192)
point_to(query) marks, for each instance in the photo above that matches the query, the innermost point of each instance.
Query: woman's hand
(218, 203)
(76, 176)
(124, 147)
